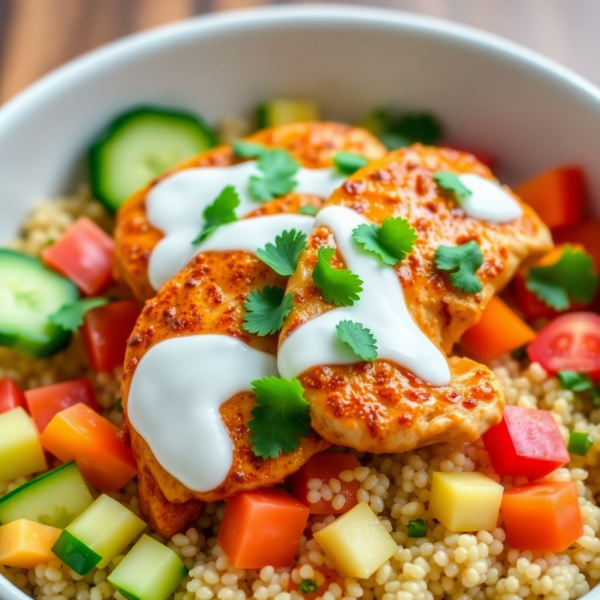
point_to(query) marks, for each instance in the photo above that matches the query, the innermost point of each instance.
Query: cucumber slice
(29, 293)
(54, 498)
(140, 145)
(97, 535)
(282, 112)
(150, 571)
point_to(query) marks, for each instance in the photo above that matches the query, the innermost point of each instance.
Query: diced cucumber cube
(97, 535)
(150, 571)
(282, 112)
(54, 498)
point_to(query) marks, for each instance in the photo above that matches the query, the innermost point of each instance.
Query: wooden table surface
(38, 35)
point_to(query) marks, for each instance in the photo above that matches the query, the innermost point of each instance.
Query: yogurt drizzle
(488, 201)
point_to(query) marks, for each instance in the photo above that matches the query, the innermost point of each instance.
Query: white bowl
(491, 94)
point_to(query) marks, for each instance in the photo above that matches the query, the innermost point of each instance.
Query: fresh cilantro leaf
(451, 183)
(359, 338)
(349, 162)
(391, 241)
(266, 310)
(339, 286)
(574, 381)
(248, 149)
(308, 209)
(278, 169)
(70, 316)
(571, 278)
(283, 256)
(221, 211)
(466, 258)
(281, 418)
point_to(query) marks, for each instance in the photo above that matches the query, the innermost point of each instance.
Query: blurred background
(38, 35)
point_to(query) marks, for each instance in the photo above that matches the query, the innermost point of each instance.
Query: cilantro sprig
(360, 339)
(266, 310)
(338, 286)
(282, 256)
(572, 278)
(580, 383)
(278, 168)
(70, 316)
(221, 211)
(281, 418)
(450, 182)
(464, 260)
(248, 149)
(392, 241)
(308, 209)
(348, 163)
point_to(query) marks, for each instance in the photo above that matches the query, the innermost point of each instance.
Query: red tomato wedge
(45, 402)
(556, 195)
(489, 160)
(83, 254)
(569, 343)
(11, 395)
(527, 442)
(105, 332)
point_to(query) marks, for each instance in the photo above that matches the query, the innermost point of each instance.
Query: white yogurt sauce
(174, 400)
(176, 204)
(381, 308)
(488, 201)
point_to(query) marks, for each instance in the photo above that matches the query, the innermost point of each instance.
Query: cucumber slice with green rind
(29, 293)
(75, 553)
(283, 112)
(54, 498)
(150, 571)
(140, 145)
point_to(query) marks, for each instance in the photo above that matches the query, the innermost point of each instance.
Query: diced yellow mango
(26, 544)
(465, 501)
(20, 450)
(357, 543)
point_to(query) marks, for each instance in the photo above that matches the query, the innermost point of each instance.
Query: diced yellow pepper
(465, 501)
(357, 543)
(26, 544)
(20, 450)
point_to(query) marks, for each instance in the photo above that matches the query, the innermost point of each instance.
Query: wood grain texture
(36, 36)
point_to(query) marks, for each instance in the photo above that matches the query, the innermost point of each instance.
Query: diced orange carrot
(25, 544)
(542, 516)
(557, 195)
(326, 466)
(498, 331)
(586, 234)
(262, 528)
(81, 434)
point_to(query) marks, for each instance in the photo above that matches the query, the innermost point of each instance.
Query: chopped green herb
(266, 310)
(348, 163)
(307, 586)
(451, 182)
(221, 211)
(70, 316)
(281, 418)
(571, 278)
(359, 339)
(248, 149)
(119, 405)
(574, 381)
(308, 209)
(397, 132)
(519, 353)
(417, 528)
(339, 286)
(278, 169)
(579, 443)
(391, 242)
(595, 397)
(282, 257)
(467, 258)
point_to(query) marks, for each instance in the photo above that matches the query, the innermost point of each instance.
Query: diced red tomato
(11, 395)
(586, 234)
(489, 160)
(557, 195)
(569, 343)
(326, 466)
(262, 528)
(81, 434)
(527, 442)
(45, 402)
(542, 516)
(324, 576)
(105, 332)
(84, 254)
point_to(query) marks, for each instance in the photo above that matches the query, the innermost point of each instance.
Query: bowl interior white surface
(490, 94)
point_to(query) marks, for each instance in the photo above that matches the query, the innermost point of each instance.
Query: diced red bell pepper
(83, 254)
(11, 395)
(105, 332)
(586, 234)
(557, 196)
(527, 443)
(489, 160)
(326, 466)
(262, 528)
(542, 516)
(45, 402)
